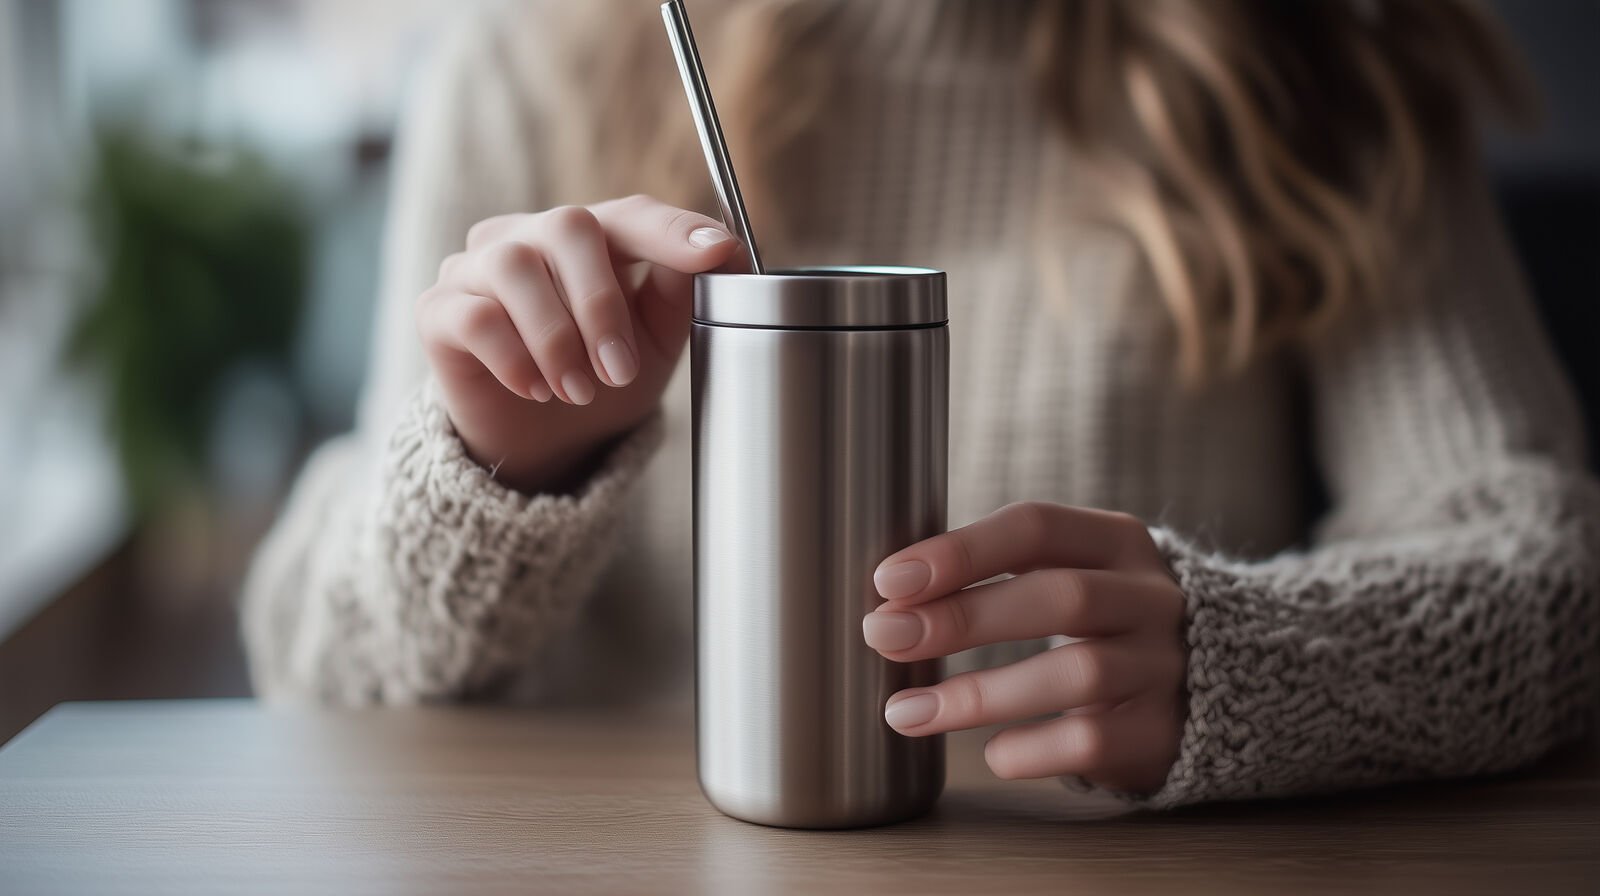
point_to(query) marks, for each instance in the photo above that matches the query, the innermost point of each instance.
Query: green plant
(200, 264)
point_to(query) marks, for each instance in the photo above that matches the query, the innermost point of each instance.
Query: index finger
(1017, 538)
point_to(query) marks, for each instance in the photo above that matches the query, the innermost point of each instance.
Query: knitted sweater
(1389, 548)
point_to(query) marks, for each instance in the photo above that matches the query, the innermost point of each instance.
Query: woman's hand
(1088, 574)
(589, 306)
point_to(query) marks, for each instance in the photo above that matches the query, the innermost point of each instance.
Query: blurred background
(192, 195)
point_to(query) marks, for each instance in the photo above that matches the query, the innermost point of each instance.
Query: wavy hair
(1266, 157)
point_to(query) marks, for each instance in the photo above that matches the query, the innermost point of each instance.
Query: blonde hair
(1266, 157)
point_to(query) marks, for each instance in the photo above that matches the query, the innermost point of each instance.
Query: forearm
(423, 579)
(1466, 646)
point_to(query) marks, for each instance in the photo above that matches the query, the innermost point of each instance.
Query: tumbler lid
(830, 298)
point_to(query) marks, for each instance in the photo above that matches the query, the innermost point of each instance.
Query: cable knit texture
(1437, 617)
(452, 580)
(1373, 661)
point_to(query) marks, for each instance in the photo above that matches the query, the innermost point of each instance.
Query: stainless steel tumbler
(820, 409)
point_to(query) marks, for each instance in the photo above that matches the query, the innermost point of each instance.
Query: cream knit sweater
(1441, 618)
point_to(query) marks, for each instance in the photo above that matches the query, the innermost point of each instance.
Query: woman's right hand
(588, 306)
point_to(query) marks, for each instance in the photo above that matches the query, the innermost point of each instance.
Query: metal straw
(711, 139)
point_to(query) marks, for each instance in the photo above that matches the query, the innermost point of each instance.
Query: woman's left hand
(1088, 574)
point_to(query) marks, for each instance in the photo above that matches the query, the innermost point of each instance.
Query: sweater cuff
(426, 451)
(1214, 754)
(479, 545)
(1218, 741)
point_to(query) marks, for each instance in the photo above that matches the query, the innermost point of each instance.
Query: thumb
(641, 228)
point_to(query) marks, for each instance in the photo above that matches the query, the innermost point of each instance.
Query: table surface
(229, 796)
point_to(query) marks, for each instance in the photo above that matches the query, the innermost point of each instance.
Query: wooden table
(226, 796)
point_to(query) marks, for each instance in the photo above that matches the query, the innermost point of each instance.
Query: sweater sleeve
(400, 570)
(1445, 619)
(434, 583)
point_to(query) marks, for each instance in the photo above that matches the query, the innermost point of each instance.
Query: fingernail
(706, 237)
(911, 711)
(618, 361)
(579, 389)
(891, 631)
(540, 392)
(903, 579)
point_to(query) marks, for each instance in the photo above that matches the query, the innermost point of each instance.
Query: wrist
(557, 472)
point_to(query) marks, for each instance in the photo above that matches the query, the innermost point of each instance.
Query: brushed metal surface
(816, 454)
(840, 297)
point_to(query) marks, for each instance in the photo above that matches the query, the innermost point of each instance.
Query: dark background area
(150, 611)
(1549, 182)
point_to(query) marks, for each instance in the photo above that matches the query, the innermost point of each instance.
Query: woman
(1226, 270)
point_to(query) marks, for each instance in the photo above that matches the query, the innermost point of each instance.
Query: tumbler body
(820, 429)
